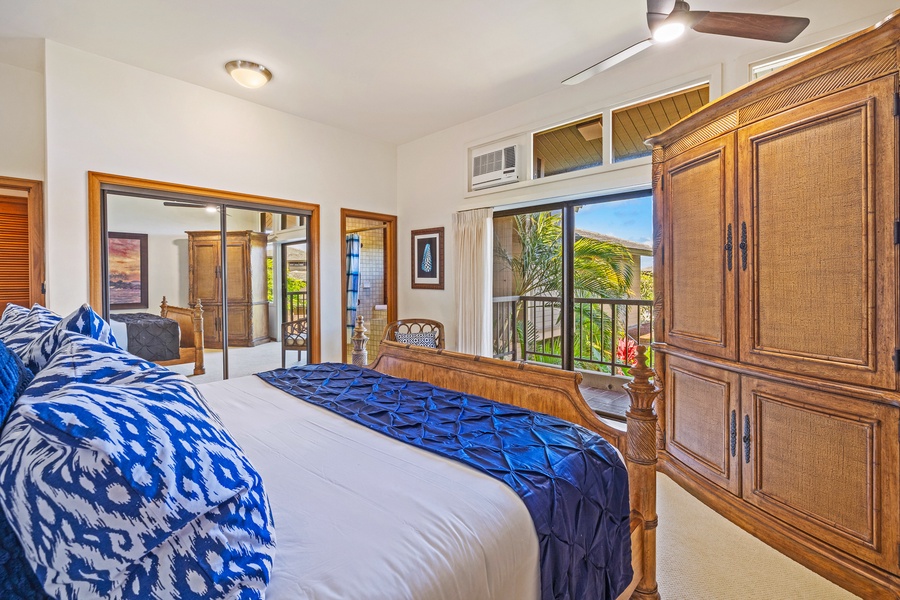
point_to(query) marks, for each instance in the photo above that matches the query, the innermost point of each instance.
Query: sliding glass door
(244, 265)
(573, 283)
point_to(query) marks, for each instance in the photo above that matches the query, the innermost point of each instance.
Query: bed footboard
(556, 392)
(190, 323)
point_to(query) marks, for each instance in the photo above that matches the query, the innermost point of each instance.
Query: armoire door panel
(702, 420)
(236, 253)
(699, 285)
(239, 324)
(818, 296)
(825, 464)
(212, 327)
(204, 266)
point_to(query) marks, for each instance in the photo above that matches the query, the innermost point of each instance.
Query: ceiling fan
(668, 19)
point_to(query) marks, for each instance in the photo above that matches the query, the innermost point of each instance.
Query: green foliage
(602, 269)
(646, 285)
(293, 284)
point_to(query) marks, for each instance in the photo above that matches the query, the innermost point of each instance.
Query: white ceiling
(394, 70)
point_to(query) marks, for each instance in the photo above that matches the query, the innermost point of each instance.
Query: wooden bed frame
(190, 322)
(556, 392)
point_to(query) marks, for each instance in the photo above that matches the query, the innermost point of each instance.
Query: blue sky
(628, 219)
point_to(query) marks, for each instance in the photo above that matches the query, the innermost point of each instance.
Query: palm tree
(602, 269)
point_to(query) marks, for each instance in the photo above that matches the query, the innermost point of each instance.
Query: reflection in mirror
(267, 291)
(148, 258)
(253, 292)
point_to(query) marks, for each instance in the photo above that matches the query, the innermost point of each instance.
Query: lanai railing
(607, 330)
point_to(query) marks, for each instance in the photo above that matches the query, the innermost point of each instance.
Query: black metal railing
(607, 330)
(295, 304)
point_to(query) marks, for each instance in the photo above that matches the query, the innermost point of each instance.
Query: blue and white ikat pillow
(121, 483)
(83, 320)
(13, 316)
(28, 327)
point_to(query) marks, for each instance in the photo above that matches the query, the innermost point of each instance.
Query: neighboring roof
(633, 247)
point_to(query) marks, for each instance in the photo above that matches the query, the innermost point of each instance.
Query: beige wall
(21, 123)
(428, 196)
(110, 117)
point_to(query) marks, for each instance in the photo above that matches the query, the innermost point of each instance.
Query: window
(568, 148)
(631, 125)
(770, 66)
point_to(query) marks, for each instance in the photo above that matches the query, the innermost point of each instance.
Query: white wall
(21, 123)
(167, 243)
(428, 196)
(109, 117)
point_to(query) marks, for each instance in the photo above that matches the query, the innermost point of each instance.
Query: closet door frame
(34, 191)
(99, 183)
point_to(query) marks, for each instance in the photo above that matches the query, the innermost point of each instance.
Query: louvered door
(21, 256)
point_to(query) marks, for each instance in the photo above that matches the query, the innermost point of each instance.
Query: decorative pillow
(116, 475)
(13, 316)
(428, 339)
(14, 377)
(84, 321)
(17, 580)
(37, 321)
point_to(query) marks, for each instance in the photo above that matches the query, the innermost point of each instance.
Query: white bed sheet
(360, 515)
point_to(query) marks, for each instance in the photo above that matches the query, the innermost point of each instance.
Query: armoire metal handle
(733, 433)
(746, 438)
(729, 246)
(743, 246)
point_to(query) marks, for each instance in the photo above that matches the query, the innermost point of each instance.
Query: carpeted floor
(703, 556)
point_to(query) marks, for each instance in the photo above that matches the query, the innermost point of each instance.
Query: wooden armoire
(248, 307)
(776, 275)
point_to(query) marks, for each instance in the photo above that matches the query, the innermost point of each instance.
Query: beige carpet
(703, 556)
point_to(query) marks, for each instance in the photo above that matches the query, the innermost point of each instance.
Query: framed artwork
(127, 268)
(428, 258)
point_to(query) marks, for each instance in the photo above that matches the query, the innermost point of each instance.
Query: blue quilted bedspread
(570, 479)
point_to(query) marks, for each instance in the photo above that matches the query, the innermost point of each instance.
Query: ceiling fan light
(248, 74)
(668, 31)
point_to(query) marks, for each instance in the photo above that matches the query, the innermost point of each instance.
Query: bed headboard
(535, 387)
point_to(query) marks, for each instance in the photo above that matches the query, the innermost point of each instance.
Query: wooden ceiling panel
(565, 148)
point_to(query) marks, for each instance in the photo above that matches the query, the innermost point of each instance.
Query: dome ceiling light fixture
(248, 74)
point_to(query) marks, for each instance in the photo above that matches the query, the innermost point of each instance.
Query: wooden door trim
(95, 238)
(390, 264)
(35, 191)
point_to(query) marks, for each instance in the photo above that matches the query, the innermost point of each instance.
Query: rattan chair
(294, 335)
(406, 327)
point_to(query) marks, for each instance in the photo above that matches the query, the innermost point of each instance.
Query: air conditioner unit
(497, 167)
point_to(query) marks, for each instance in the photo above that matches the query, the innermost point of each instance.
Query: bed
(329, 546)
(174, 337)
(265, 487)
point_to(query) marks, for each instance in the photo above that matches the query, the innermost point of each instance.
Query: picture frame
(127, 270)
(428, 258)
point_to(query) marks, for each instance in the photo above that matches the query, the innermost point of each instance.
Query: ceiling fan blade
(770, 28)
(606, 63)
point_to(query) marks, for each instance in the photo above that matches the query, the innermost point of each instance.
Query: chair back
(294, 333)
(406, 327)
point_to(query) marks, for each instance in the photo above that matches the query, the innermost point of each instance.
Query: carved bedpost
(640, 458)
(360, 355)
(197, 318)
(164, 308)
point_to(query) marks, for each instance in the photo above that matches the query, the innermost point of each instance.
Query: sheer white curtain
(474, 279)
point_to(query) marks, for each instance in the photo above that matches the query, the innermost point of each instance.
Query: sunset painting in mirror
(127, 268)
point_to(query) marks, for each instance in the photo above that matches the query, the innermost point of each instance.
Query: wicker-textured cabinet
(248, 312)
(776, 277)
